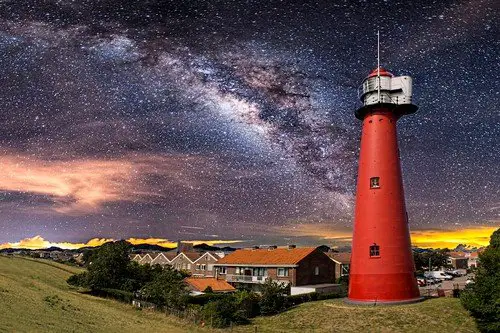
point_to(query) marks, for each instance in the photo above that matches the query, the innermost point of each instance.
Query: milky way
(214, 119)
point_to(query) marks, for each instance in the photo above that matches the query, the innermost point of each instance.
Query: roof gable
(207, 254)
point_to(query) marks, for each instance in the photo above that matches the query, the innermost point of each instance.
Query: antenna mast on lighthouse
(378, 64)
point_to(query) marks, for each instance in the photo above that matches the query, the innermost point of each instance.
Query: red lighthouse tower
(382, 268)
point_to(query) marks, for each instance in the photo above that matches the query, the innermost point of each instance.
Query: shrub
(273, 299)
(204, 298)
(248, 303)
(119, 295)
(223, 312)
(79, 280)
(482, 298)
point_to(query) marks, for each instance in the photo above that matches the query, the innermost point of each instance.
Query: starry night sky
(235, 119)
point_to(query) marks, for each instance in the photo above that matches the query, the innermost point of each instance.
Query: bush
(119, 295)
(78, 280)
(482, 298)
(223, 312)
(248, 303)
(273, 299)
(204, 298)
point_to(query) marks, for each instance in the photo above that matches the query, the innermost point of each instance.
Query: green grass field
(435, 315)
(34, 297)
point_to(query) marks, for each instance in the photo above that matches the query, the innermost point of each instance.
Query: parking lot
(447, 286)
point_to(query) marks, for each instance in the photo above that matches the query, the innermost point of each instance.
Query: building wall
(272, 273)
(209, 270)
(459, 263)
(306, 269)
(182, 263)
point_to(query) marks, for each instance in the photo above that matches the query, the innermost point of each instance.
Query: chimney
(292, 246)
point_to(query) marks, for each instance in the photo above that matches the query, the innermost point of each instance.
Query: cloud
(38, 242)
(83, 186)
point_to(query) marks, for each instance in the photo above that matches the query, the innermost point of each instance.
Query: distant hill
(151, 247)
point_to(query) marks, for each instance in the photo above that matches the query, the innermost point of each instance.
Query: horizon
(475, 238)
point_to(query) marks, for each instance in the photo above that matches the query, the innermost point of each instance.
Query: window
(374, 250)
(259, 271)
(223, 270)
(197, 267)
(188, 266)
(239, 271)
(282, 271)
(316, 270)
(375, 182)
(203, 267)
(344, 270)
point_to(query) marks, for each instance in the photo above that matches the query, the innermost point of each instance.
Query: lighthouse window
(374, 250)
(375, 182)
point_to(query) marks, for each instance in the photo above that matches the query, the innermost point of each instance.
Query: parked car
(422, 282)
(441, 275)
(454, 273)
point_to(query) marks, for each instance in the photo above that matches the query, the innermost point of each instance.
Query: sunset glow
(38, 242)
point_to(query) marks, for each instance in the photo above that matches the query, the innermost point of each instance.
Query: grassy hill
(34, 297)
(435, 315)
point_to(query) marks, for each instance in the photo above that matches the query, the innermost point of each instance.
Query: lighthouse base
(382, 302)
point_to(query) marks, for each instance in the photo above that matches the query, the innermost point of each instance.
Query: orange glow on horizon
(433, 238)
(476, 237)
(38, 242)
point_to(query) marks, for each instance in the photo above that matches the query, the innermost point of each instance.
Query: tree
(167, 289)
(438, 258)
(273, 298)
(109, 265)
(482, 298)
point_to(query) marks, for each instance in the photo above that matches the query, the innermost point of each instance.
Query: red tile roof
(343, 257)
(280, 256)
(200, 284)
(456, 255)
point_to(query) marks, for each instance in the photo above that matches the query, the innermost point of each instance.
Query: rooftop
(279, 256)
(342, 258)
(200, 284)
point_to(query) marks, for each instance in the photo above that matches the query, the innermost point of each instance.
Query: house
(146, 259)
(198, 285)
(196, 263)
(185, 261)
(472, 259)
(342, 262)
(163, 258)
(204, 265)
(458, 260)
(292, 266)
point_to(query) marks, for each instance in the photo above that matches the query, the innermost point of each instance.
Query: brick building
(291, 265)
(342, 263)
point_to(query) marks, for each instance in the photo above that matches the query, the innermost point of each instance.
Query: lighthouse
(382, 268)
